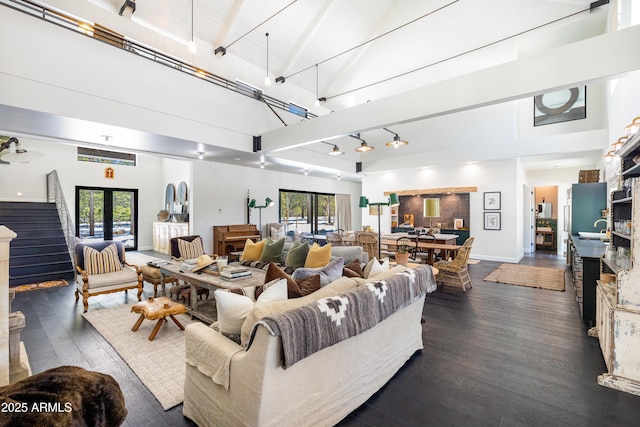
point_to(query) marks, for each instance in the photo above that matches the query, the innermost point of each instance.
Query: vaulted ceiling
(358, 51)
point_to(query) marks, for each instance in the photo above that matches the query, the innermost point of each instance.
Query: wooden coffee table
(203, 310)
(157, 309)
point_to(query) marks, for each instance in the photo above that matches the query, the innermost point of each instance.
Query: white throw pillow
(234, 308)
(277, 233)
(374, 267)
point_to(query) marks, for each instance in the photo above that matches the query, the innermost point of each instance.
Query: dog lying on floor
(63, 396)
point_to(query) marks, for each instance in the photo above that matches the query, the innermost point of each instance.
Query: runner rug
(533, 277)
(160, 364)
(41, 285)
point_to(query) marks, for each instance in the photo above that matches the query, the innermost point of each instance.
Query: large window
(307, 212)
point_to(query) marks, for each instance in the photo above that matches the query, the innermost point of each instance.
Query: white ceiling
(367, 50)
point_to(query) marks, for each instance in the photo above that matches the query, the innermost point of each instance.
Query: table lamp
(431, 209)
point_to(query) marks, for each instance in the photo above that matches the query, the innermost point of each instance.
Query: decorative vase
(403, 258)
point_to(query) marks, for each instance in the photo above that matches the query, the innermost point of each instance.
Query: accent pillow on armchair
(103, 269)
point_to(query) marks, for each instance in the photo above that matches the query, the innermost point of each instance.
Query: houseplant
(402, 252)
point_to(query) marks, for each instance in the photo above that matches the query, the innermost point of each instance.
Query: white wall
(30, 180)
(496, 245)
(219, 195)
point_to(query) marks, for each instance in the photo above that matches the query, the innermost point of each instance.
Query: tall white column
(6, 236)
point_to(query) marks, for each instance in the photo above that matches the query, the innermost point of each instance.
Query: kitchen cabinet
(618, 291)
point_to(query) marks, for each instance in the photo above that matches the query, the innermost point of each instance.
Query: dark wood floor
(499, 355)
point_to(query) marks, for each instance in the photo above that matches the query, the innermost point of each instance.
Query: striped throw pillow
(100, 262)
(192, 249)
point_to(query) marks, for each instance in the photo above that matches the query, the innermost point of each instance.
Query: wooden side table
(157, 309)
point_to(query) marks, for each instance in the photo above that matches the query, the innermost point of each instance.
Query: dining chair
(369, 243)
(455, 272)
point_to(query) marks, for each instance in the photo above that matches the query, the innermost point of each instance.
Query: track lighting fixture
(280, 79)
(336, 151)
(20, 155)
(363, 148)
(220, 51)
(397, 141)
(127, 9)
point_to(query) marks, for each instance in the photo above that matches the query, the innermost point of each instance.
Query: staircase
(39, 252)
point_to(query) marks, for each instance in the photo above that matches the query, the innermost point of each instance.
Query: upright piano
(231, 238)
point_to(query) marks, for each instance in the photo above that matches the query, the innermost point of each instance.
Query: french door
(107, 214)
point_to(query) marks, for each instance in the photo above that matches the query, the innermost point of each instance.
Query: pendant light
(267, 78)
(317, 103)
(192, 43)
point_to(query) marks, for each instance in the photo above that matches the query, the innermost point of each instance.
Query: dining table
(447, 250)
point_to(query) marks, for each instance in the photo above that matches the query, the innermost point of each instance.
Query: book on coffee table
(235, 273)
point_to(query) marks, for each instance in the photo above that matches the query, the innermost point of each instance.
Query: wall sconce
(253, 204)
(431, 209)
(609, 156)
(633, 127)
(619, 143)
(392, 201)
(20, 155)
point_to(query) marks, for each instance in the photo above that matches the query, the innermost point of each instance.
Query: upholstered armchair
(103, 269)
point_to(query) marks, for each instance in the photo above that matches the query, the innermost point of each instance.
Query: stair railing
(55, 194)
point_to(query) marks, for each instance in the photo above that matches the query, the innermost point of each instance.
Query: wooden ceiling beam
(445, 190)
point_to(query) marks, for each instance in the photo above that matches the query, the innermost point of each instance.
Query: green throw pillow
(297, 255)
(272, 251)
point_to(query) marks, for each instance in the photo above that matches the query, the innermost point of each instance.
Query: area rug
(41, 285)
(524, 275)
(136, 258)
(160, 364)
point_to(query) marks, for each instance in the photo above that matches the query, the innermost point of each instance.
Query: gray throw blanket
(328, 321)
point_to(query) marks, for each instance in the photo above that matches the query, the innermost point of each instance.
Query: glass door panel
(90, 215)
(107, 214)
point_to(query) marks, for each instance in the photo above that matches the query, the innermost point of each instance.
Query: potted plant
(402, 253)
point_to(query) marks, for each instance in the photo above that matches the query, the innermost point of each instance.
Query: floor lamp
(392, 201)
(252, 204)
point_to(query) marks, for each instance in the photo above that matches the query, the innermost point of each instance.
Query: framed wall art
(492, 221)
(560, 106)
(492, 201)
